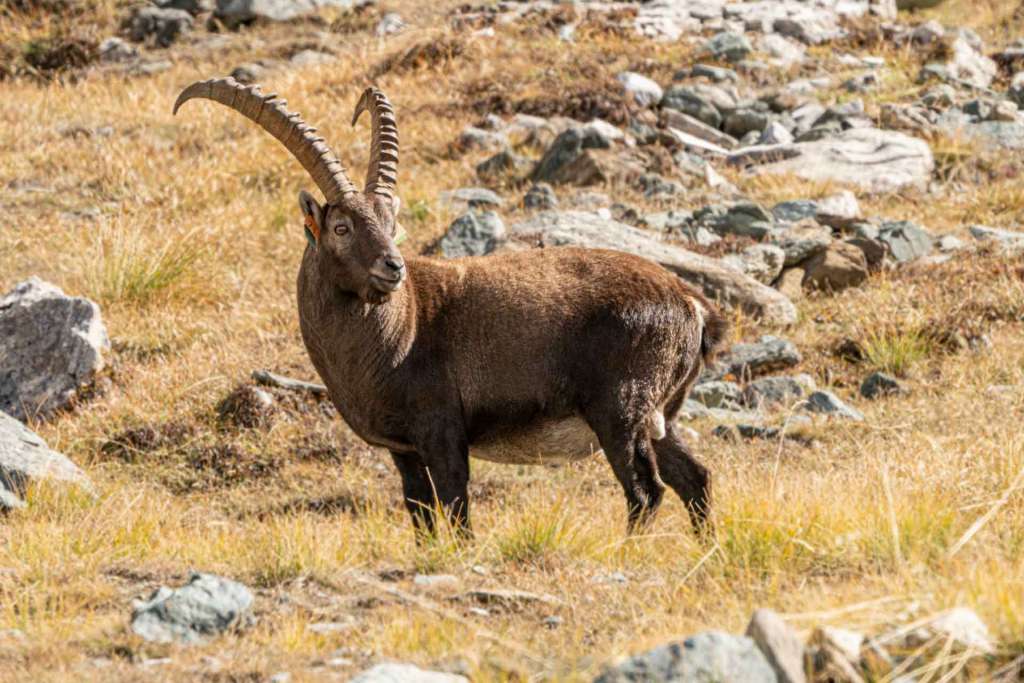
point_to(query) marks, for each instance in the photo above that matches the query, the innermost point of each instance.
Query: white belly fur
(549, 442)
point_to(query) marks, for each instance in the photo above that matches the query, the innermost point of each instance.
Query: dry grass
(185, 229)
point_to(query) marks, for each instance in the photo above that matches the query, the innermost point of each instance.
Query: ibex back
(539, 356)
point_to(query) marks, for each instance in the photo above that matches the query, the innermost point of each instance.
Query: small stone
(960, 625)
(249, 73)
(768, 392)
(763, 262)
(845, 642)
(304, 58)
(717, 394)
(204, 607)
(390, 24)
(780, 645)
(879, 384)
(939, 97)
(838, 267)
(927, 33)
(906, 241)
(839, 210)
(1012, 242)
(115, 50)
(507, 598)
(690, 101)
(732, 47)
(752, 359)
(718, 74)
(506, 166)
(51, 345)
(950, 243)
(709, 656)
(540, 197)
(474, 233)
(643, 90)
(775, 134)
(473, 139)
(25, 459)
(471, 197)
(827, 403)
(163, 25)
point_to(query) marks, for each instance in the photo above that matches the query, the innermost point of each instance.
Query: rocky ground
(182, 503)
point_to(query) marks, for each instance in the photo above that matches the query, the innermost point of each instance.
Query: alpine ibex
(548, 355)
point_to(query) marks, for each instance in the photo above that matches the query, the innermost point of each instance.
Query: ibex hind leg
(627, 446)
(681, 471)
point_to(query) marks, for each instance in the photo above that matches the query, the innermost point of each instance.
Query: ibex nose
(395, 263)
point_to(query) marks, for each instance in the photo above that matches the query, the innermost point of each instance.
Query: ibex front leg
(437, 476)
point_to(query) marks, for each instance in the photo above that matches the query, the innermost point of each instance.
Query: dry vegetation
(186, 232)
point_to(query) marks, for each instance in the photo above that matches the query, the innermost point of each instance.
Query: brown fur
(477, 350)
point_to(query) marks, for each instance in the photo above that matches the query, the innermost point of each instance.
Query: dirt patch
(221, 465)
(131, 444)
(248, 407)
(428, 54)
(359, 19)
(600, 98)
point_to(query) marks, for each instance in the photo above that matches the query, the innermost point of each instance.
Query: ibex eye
(341, 228)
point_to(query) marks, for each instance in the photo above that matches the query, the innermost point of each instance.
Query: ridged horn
(382, 173)
(270, 114)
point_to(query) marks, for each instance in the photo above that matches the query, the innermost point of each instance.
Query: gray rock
(999, 135)
(746, 120)
(471, 197)
(505, 166)
(473, 138)
(643, 90)
(50, 346)
(679, 121)
(115, 50)
(1016, 90)
(780, 645)
(25, 458)
(235, 12)
(961, 626)
(205, 607)
(827, 403)
(162, 25)
(1011, 242)
(785, 52)
(732, 47)
(708, 274)
(738, 431)
(540, 197)
(927, 33)
(879, 384)
(705, 657)
(390, 24)
(566, 149)
(878, 161)
(248, 73)
(906, 241)
(839, 210)
(969, 65)
(775, 134)
(717, 394)
(949, 243)
(763, 262)
(769, 392)
(193, 7)
(802, 242)
(405, 673)
(718, 74)
(474, 233)
(744, 219)
(939, 97)
(691, 102)
(744, 361)
(795, 210)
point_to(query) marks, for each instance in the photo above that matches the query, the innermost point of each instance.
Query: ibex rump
(524, 357)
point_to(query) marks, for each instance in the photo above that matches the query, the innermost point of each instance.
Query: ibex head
(352, 233)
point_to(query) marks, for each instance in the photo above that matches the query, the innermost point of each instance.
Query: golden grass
(186, 230)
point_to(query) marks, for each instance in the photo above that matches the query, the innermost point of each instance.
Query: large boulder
(473, 233)
(874, 160)
(235, 12)
(50, 346)
(709, 656)
(834, 269)
(768, 354)
(25, 458)
(717, 281)
(205, 607)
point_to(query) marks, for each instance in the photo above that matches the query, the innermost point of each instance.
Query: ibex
(529, 357)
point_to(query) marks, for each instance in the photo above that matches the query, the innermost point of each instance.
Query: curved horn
(296, 135)
(382, 173)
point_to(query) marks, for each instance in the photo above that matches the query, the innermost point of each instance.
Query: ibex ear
(313, 214)
(397, 231)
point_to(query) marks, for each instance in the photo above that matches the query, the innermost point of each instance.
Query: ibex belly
(548, 442)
